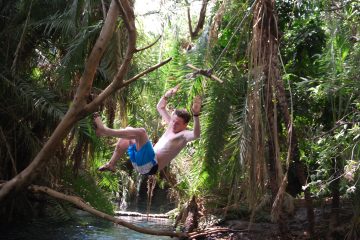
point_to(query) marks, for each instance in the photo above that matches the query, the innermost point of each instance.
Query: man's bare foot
(98, 125)
(107, 167)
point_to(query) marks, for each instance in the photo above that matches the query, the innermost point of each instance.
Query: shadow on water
(82, 226)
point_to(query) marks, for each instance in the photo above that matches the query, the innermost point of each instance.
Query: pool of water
(82, 226)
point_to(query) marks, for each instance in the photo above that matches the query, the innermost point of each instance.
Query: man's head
(180, 120)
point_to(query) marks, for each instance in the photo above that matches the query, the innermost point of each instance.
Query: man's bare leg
(120, 149)
(138, 134)
(127, 136)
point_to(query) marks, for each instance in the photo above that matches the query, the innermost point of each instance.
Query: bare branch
(103, 8)
(148, 13)
(149, 46)
(146, 71)
(189, 22)
(97, 52)
(114, 85)
(80, 203)
(127, 13)
(21, 42)
(129, 19)
(9, 150)
(118, 81)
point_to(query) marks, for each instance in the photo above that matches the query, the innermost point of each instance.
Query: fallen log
(137, 214)
(80, 203)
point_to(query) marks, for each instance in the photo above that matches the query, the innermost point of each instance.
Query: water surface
(82, 226)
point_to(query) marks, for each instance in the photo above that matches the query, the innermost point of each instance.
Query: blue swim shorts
(143, 160)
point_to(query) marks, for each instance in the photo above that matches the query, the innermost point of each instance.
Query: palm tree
(265, 72)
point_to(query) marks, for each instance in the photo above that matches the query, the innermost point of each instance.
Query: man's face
(177, 123)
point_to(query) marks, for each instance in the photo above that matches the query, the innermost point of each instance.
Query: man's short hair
(185, 115)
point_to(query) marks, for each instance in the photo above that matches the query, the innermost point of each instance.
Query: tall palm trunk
(265, 64)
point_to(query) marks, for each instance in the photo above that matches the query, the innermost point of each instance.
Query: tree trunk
(79, 108)
(274, 176)
(295, 156)
(201, 21)
(335, 203)
(265, 59)
(189, 216)
(192, 219)
(74, 114)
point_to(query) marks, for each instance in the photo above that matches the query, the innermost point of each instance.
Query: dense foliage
(44, 45)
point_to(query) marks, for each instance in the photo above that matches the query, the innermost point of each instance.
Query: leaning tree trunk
(79, 107)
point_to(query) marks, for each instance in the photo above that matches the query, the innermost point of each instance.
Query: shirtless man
(145, 158)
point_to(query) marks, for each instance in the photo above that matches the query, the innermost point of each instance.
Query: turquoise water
(82, 226)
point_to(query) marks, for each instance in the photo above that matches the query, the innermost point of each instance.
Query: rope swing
(208, 72)
(205, 72)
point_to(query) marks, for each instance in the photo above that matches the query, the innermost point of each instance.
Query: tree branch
(2, 135)
(80, 203)
(148, 13)
(118, 81)
(149, 46)
(103, 8)
(189, 23)
(21, 42)
(146, 71)
(95, 56)
(127, 13)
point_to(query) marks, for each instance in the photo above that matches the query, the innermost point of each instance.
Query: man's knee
(122, 144)
(142, 132)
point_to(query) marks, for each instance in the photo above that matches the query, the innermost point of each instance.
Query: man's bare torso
(168, 146)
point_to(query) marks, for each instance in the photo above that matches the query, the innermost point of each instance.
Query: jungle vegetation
(283, 128)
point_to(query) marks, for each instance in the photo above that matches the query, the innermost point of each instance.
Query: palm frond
(79, 47)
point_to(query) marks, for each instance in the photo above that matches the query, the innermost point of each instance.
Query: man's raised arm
(161, 106)
(196, 107)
